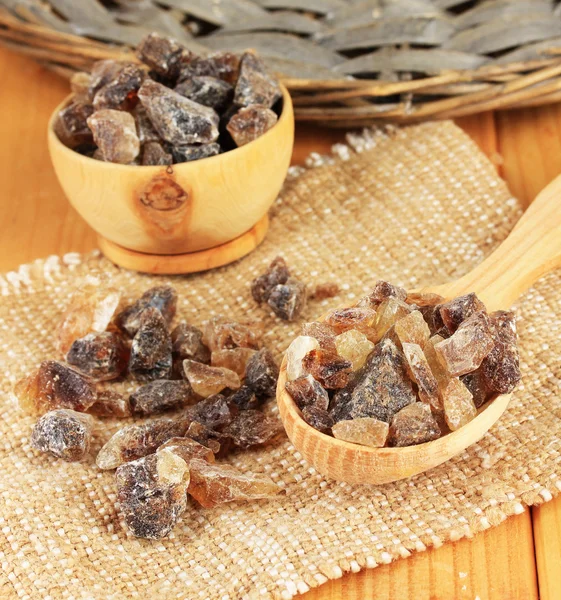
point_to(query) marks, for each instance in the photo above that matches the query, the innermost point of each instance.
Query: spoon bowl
(532, 249)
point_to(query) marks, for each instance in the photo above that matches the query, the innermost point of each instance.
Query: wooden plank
(495, 565)
(530, 145)
(547, 540)
(35, 217)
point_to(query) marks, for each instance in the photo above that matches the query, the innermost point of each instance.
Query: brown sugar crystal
(214, 484)
(330, 370)
(365, 431)
(151, 356)
(469, 345)
(152, 493)
(255, 85)
(177, 119)
(420, 372)
(161, 395)
(135, 441)
(208, 91)
(114, 132)
(306, 391)
(250, 123)
(323, 333)
(207, 381)
(63, 433)
(262, 373)
(55, 385)
(235, 359)
(501, 367)
(413, 424)
(288, 300)
(163, 298)
(253, 428)
(110, 403)
(276, 273)
(102, 356)
(90, 309)
(187, 343)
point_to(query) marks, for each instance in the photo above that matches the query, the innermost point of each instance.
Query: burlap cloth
(415, 206)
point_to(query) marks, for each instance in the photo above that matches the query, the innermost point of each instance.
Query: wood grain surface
(517, 560)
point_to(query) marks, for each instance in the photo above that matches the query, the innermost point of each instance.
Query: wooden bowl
(183, 218)
(353, 463)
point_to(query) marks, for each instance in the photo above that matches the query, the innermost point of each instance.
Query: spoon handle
(532, 249)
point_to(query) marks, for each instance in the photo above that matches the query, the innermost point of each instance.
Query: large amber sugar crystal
(134, 441)
(365, 431)
(413, 424)
(64, 434)
(306, 391)
(207, 381)
(151, 356)
(90, 309)
(354, 346)
(420, 372)
(235, 359)
(466, 349)
(501, 368)
(456, 311)
(330, 370)
(162, 297)
(388, 313)
(459, 408)
(161, 395)
(412, 329)
(151, 493)
(297, 350)
(213, 484)
(381, 388)
(55, 385)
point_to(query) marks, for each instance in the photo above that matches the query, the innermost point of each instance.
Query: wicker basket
(346, 62)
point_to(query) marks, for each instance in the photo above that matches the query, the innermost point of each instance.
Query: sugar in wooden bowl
(174, 162)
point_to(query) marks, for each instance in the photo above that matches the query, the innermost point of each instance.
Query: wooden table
(520, 559)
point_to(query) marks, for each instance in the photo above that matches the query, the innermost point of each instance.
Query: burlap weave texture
(416, 206)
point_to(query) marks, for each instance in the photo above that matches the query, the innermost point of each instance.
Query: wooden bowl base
(190, 262)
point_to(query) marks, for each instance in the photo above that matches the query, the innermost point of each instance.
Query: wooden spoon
(532, 249)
